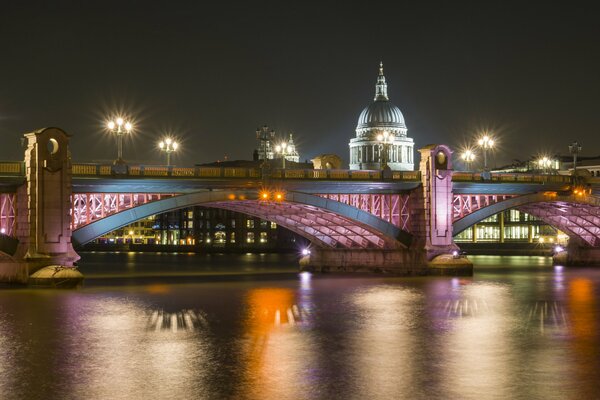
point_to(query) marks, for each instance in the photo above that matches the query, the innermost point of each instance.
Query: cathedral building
(381, 135)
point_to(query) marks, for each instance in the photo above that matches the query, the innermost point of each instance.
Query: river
(184, 326)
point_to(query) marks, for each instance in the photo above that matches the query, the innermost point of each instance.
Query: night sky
(212, 72)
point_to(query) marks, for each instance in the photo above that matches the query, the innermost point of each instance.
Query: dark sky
(212, 72)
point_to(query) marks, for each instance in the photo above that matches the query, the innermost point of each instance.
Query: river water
(181, 326)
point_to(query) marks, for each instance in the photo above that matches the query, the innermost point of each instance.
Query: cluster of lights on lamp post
(119, 127)
(385, 140)
(282, 149)
(544, 163)
(485, 142)
(468, 157)
(168, 145)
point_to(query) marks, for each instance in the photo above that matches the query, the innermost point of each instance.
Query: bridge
(398, 221)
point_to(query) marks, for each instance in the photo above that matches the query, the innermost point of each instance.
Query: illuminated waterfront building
(218, 228)
(511, 226)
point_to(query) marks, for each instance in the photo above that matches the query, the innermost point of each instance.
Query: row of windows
(219, 237)
(492, 233)
(511, 216)
(249, 224)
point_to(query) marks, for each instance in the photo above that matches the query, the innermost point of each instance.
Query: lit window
(273, 225)
(250, 237)
(263, 237)
(233, 223)
(250, 224)
(232, 237)
(190, 224)
(263, 224)
(190, 214)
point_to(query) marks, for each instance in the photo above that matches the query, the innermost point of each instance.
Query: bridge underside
(576, 220)
(326, 223)
(577, 216)
(324, 227)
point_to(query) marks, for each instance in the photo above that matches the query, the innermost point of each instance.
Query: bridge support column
(435, 222)
(393, 261)
(578, 255)
(44, 252)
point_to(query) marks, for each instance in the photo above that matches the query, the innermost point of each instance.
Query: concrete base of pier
(394, 262)
(578, 256)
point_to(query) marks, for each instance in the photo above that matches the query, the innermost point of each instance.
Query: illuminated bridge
(355, 219)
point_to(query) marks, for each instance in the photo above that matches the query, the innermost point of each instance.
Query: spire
(381, 87)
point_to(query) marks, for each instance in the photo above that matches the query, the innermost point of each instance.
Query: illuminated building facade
(140, 232)
(511, 226)
(381, 118)
(218, 228)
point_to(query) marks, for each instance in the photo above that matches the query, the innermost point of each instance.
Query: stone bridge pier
(43, 209)
(431, 249)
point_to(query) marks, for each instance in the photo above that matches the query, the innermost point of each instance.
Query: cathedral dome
(381, 114)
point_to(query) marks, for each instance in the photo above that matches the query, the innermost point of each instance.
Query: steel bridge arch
(325, 222)
(577, 215)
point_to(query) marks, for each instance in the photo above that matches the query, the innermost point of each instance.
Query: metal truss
(393, 208)
(8, 206)
(89, 207)
(465, 204)
(324, 227)
(581, 220)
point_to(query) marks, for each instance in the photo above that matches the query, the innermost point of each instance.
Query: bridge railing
(158, 171)
(510, 177)
(15, 168)
(81, 169)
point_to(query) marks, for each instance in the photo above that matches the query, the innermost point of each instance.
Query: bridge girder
(325, 222)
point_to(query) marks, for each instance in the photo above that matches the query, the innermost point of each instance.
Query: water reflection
(583, 311)
(478, 350)
(120, 358)
(526, 332)
(275, 354)
(384, 343)
(180, 320)
(548, 317)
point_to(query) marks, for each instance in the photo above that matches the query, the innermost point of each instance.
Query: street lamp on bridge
(282, 149)
(385, 140)
(544, 163)
(119, 127)
(486, 143)
(575, 149)
(168, 146)
(468, 157)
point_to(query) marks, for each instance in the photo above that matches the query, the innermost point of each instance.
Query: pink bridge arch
(327, 223)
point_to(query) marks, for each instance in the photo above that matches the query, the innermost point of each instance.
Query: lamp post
(282, 149)
(575, 149)
(384, 140)
(486, 143)
(119, 127)
(468, 157)
(168, 146)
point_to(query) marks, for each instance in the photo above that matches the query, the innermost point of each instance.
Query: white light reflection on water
(124, 359)
(384, 342)
(477, 348)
